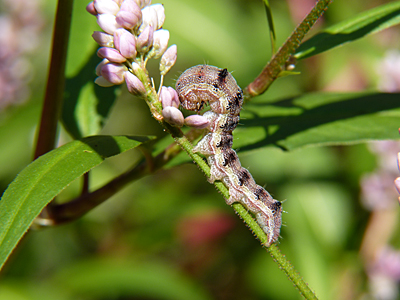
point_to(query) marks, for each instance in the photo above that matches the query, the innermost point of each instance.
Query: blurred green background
(171, 235)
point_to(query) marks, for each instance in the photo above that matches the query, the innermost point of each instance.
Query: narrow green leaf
(368, 22)
(319, 119)
(46, 177)
(270, 25)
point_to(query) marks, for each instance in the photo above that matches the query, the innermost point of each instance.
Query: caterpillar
(204, 84)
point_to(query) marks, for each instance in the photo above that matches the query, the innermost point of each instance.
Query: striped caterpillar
(204, 84)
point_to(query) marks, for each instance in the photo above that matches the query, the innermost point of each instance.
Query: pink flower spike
(106, 7)
(125, 42)
(114, 73)
(101, 81)
(168, 59)
(197, 121)
(134, 85)
(103, 39)
(173, 116)
(174, 97)
(160, 42)
(91, 9)
(111, 54)
(129, 15)
(107, 22)
(165, 97)
(145, 40)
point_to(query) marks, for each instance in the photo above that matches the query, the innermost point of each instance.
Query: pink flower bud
(129, 15)
(173, 116)
(160, 42)
(134, 85)
(125, 42)
(101, 81)
(165, 97)
(197, 121)
(91, 9)
(106, 7)
(145, 40)
(159, 8)
(169, 97)
(168, 59)
(107, 22)
(100, 65)
(103, 39)
(114, 73)
(174, 97)
(111, 54)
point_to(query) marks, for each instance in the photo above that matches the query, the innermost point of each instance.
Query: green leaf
(86, 105)
(46, 177)
(319, 119)
(371, 21)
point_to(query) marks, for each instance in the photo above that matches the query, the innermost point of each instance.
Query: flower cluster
(132, 34)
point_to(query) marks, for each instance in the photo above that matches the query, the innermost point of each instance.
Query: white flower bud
(107, 22)
(149, 17)
(160, 43)
(159, 8)
(168, 59)
(101, 81)
(106, 7)
(173, 116)
(103, 39)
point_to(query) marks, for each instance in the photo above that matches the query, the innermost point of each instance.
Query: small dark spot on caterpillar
(243, 176)
(222, 74)
(276, 206)
(230, 157)
(225, 142)
(216, 86)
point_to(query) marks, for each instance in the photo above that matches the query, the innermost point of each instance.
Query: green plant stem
(243, 213)
(46, 138)
(277, 64)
